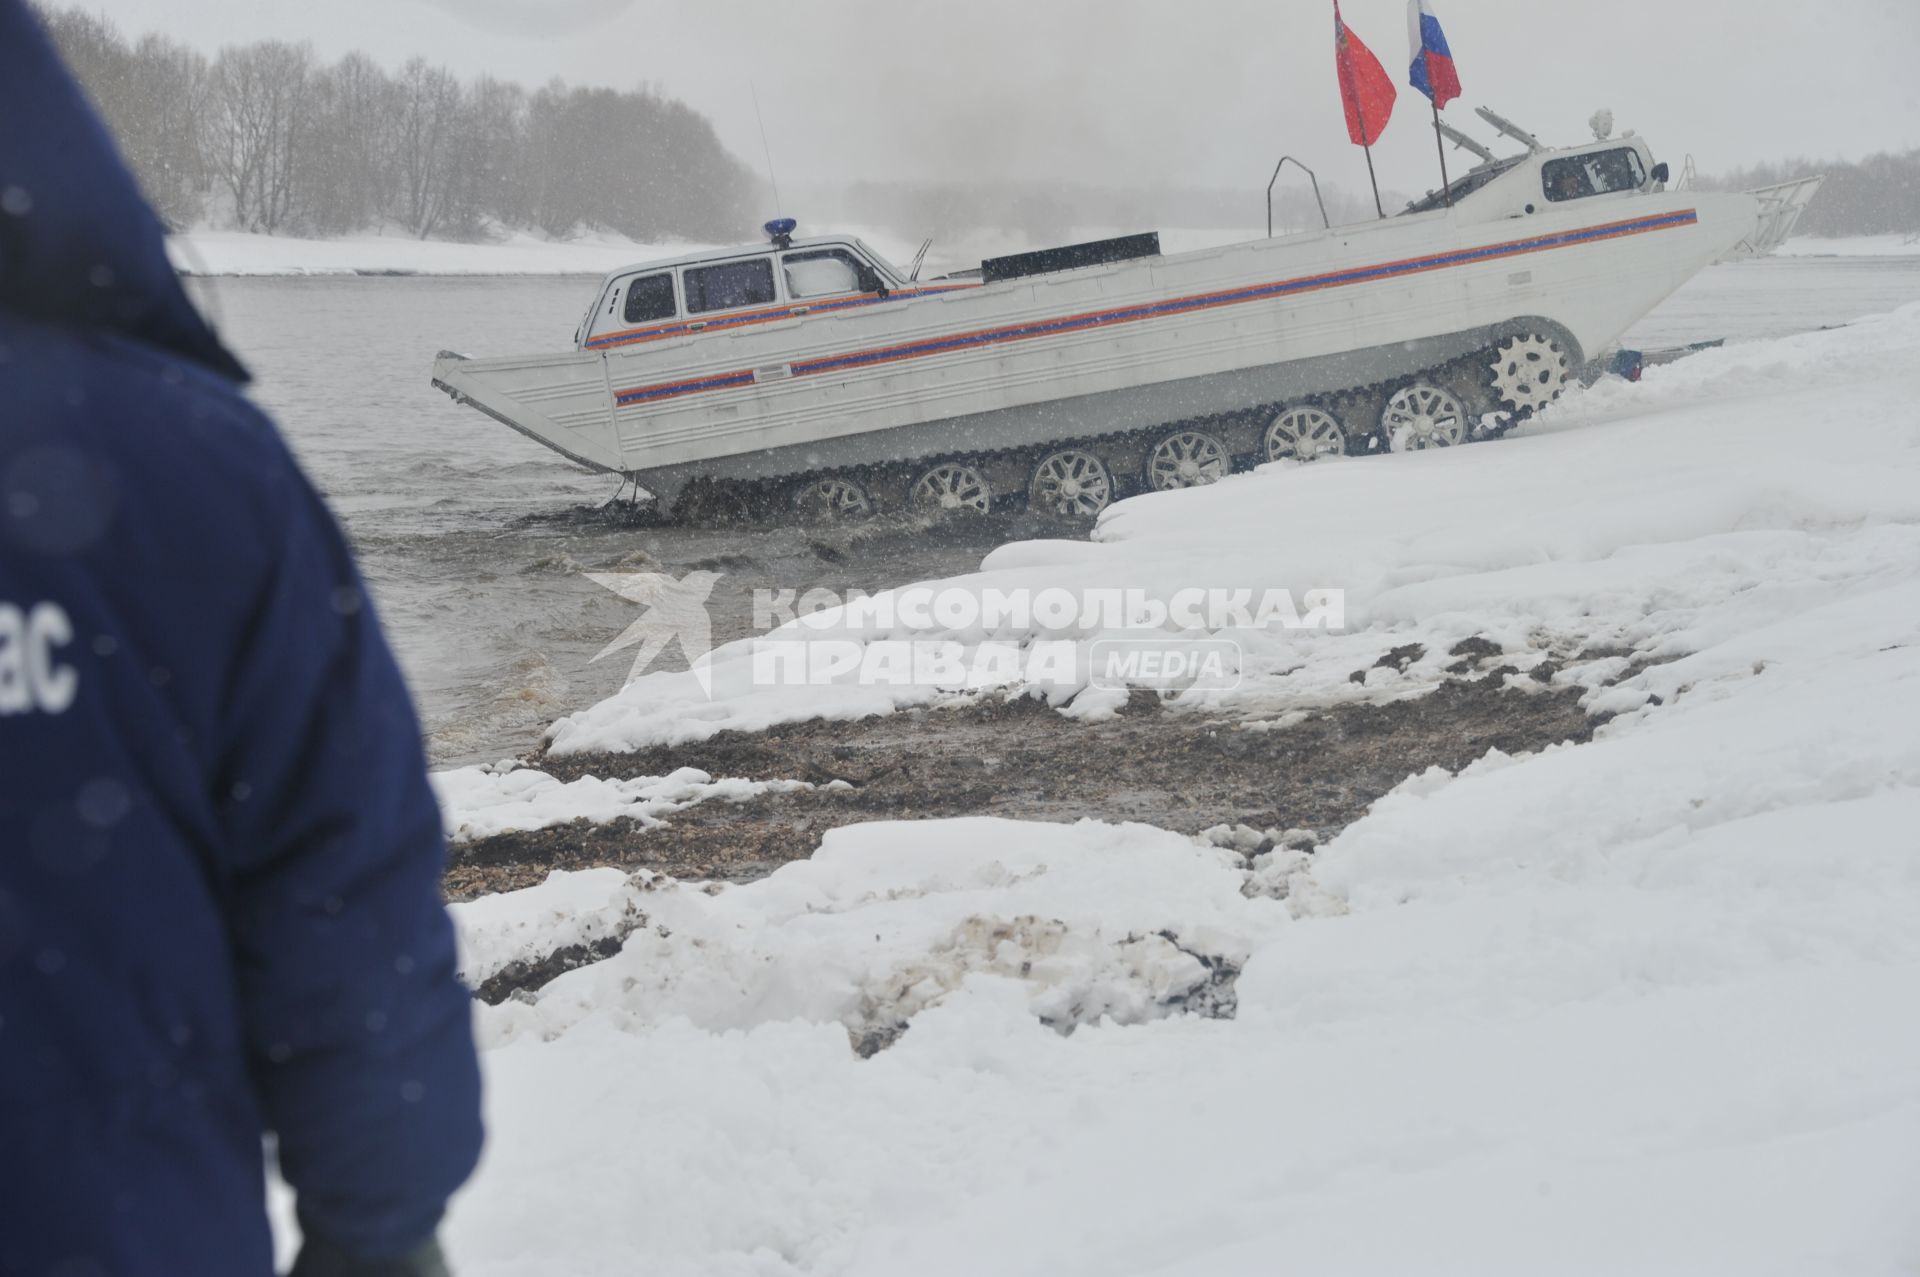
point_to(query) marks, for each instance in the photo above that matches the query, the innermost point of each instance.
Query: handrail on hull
(1285, 160)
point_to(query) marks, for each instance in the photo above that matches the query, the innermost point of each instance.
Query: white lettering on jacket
(30, 677)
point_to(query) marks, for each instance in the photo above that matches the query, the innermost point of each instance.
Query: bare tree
(637, 163)
(151, 96)
(262, 99)
(170, 84)
(481, 181)
(426, 120)
(556, 200)
(96, 53)
(349, 144)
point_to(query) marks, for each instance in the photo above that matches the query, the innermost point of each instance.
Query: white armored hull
(1106, 349)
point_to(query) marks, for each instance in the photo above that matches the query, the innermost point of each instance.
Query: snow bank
(1636, 1005)
(568, 909)
(481, 801)
(1733, 485)
(240, 253)
(1129, 924)
(1635, 1002)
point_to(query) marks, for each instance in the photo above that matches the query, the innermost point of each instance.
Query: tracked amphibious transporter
(812, 373)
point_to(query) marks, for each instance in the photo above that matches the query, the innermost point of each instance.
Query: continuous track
(1493, 390)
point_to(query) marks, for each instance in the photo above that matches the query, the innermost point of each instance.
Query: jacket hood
(78, 244)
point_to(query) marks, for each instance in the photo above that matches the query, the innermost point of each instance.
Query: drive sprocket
(1528, 373)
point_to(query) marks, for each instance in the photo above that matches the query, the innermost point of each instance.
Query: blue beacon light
(780, 231)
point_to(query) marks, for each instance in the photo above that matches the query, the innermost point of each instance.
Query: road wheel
(833, 499)
(952, 486)
(1186, 459)
(1423, 416)
(1070, 484)
(1304, 433)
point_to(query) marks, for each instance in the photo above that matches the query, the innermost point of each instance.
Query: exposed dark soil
(516, 976)
(1180, 771)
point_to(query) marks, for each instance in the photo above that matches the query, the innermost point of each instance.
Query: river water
(475, 539)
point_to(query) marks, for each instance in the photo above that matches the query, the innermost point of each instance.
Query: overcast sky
(1139, 92)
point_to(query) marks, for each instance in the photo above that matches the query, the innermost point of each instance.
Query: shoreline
(237, 254)
(240, 255)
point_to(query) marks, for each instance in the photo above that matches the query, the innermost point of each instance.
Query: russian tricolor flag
(1433, 71)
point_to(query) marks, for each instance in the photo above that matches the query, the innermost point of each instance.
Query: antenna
(761, 121)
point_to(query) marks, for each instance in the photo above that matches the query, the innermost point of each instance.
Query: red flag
(1366, 90)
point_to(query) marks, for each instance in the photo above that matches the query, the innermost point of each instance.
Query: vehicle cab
(731, 288)
(1556, 180)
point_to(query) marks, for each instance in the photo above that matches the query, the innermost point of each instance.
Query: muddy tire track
(1021, 759)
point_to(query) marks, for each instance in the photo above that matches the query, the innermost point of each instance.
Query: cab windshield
(1576, 177)
(1462, 188)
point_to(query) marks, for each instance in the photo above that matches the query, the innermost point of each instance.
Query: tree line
(1879, 195)
(265, 137)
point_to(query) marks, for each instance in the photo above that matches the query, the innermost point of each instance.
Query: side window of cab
(729, 285)
(1575, 177)
(823, 272)
(649, 298)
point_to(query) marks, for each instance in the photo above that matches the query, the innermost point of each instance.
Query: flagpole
(1439, 141)
(1361, 115)
(1350, 91)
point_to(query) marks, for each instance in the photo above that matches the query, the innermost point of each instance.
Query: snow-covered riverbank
(1632, 1004)
(240, 253)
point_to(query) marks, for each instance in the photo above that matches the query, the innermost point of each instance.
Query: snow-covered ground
(1641, 1004)
(479, 802)
(1851, 246)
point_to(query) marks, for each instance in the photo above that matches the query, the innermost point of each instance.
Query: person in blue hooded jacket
(219, 855)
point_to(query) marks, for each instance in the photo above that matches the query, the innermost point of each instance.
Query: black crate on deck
(1046, 261)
